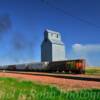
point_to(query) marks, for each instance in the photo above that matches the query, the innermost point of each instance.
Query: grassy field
(14, 89)
(93, 70)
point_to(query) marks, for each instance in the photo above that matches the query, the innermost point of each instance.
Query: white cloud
(86, 48)
(90, 52)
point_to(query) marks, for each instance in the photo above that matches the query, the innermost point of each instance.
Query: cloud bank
(90, 52)
(86, 48)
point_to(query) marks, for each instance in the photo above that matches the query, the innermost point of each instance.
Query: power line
(69, 14)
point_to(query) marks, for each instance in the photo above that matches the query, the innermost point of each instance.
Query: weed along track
(63, 83)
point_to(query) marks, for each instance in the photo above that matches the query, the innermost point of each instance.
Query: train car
(3, 67)
(40, 66)
(11, 67)
(56, 66)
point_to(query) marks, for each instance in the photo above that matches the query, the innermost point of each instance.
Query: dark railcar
(57, 66)
(11, 67)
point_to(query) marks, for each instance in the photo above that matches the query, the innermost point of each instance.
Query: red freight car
(76, 66)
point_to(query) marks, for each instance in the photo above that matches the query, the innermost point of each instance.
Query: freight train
(68, 66)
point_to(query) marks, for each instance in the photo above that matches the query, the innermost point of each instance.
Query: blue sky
(26, 21)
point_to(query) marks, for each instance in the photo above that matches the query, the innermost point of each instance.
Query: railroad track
(65, 76)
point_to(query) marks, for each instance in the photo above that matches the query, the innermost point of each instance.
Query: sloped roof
(50, 31)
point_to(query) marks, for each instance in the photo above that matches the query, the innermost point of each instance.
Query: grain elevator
(52, 47)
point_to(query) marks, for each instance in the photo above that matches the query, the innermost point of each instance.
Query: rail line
(65, 76)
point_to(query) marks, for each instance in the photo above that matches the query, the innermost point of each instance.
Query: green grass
(93, 70)
(14, 89)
